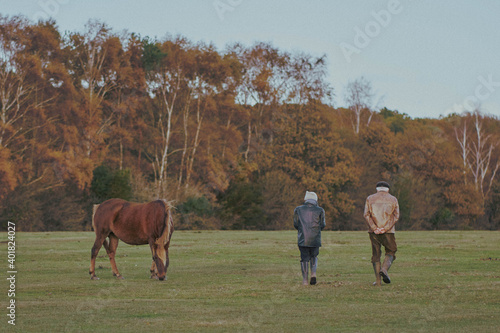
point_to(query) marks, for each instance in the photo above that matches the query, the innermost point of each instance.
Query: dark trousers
(306, 253)
(387, 240)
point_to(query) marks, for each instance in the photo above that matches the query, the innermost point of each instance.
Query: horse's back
(105, 213)
(133, 223)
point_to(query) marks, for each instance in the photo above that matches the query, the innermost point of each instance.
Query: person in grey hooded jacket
(309, 220)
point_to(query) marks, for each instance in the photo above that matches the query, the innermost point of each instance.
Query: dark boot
(376, 269)
(385, 268)
(304, 265)
(314, 265)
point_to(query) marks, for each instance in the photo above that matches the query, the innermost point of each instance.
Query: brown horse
(135, 224)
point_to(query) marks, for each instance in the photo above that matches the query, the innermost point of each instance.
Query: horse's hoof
(94, 278)
(120, 277)
(155, 277)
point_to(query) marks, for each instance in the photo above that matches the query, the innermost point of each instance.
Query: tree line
(233, 137)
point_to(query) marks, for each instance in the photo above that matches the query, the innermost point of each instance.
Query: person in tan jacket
(381, 214)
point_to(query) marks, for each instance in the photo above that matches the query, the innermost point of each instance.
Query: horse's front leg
(154, 271)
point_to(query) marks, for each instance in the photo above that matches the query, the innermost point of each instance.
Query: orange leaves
(314, 156)
(73, 166)
(8, 174)
(173, 109)
(465, 200)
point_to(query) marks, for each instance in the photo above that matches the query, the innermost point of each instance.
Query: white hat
(310, 195)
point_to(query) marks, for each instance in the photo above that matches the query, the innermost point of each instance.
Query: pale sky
(425, 58)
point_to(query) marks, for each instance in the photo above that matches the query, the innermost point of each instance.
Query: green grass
(241, 281)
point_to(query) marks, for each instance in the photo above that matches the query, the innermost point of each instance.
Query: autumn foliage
(235, 137)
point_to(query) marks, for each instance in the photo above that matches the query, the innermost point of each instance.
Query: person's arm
(394, 217)
(295, 219)
(368, 217)
(322, 222)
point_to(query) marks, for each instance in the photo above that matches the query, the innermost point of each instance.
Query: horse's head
(160, 269)
(163, 242)
(161, 251)
(162, 276)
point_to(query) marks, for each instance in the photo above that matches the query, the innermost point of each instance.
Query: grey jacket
(309, 220)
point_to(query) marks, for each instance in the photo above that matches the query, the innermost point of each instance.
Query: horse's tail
(94, 209)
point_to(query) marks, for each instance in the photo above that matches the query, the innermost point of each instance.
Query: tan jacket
(381, 211)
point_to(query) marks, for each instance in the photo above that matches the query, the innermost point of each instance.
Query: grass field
(242, 281)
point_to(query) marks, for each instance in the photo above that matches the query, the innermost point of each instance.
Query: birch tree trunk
(166, 133)
(464, 148)
(199, 121)
(480, 151)
(186, 137)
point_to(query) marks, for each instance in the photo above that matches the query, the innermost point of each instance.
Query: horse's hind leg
(99, 240)
(113, 244)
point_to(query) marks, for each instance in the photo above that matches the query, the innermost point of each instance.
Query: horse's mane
(168, 222)
(168, 203)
